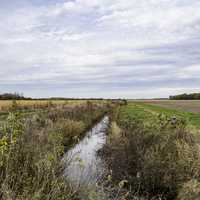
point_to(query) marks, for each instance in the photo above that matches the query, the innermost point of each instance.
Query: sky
(100, 48)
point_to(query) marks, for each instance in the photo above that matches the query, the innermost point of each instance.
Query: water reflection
(84, 166)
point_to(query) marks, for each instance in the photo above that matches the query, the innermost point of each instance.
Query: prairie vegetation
(31, 148)
(155, 155)
(10, 105)
(150, 152)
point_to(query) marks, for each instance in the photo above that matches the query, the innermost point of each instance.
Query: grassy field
(149, 155)
(27, 107)
(159, 147)
(7, 104)
(188, 110)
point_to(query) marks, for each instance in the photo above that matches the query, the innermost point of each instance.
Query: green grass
(149, 113)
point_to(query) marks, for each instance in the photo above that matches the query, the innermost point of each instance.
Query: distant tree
(12, 96)
(192, 96)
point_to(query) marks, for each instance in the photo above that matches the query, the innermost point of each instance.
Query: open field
(151, 152)
(28, 107)
(7, 104)
(182, 105)
(183, 109)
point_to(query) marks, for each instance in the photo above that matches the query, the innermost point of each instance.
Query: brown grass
(31, 148)
(6, 105)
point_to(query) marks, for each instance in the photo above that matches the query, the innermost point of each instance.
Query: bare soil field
(182, 105)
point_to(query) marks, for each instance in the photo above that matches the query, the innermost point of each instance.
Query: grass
(31, 148)
(150, 155)
(155, 153)
(29, 107)
(7, 105)
(148, 112)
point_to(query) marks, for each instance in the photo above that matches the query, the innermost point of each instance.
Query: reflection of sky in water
(85, 166)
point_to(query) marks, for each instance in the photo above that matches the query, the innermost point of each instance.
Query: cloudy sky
(100, 48)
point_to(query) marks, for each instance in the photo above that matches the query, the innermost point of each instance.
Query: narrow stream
(83, 166)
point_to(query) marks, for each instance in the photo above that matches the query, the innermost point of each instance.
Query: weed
(156, 158)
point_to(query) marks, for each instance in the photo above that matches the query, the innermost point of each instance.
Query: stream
(83, 166)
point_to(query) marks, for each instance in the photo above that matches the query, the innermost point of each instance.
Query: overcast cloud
(100, 48)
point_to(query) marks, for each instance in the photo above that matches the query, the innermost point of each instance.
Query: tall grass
(158, 161)
(31, 149)
(24, 105)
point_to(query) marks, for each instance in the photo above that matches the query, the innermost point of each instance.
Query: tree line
(13, 96)
(17, 96)
(192, 96)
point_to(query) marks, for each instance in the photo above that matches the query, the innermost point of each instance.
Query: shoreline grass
(154, 153)
(31, 149)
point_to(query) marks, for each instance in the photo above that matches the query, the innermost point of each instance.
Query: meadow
(32, 146)
(28, 107)
(152, 149)
(7, 105)
(188, 110)
(160, 150)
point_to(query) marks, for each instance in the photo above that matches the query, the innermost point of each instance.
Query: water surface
(83, 165)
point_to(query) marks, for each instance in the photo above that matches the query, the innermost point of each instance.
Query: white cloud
(190, 71)
(97, 42)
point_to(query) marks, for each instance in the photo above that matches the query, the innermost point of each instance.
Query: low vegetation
(151, 152)
(33, 105)
(31, 148)
(155, 155)
(187, 110)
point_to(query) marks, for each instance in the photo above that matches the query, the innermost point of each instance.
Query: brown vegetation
(31, 149)
(158, 162)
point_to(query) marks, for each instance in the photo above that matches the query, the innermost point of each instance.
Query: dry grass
(6, 105)
(31, 148)
(157, 155)
(182, 105)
